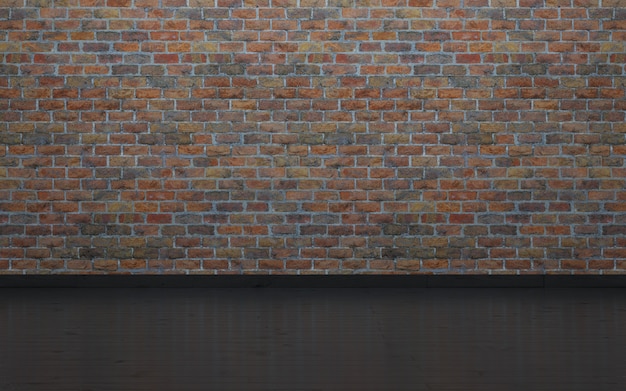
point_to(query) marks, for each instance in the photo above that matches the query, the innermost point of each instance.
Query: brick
(398, 137)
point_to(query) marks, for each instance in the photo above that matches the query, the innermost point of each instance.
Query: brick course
(312, 136)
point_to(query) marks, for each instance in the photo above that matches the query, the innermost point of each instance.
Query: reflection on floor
(312, 339)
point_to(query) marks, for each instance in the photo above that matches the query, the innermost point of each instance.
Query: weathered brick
(414, 138)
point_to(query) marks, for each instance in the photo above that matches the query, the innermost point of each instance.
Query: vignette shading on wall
(312, 136)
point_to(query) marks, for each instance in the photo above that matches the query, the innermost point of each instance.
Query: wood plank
(312, 339)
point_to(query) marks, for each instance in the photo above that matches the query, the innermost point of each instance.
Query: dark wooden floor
(308, 339)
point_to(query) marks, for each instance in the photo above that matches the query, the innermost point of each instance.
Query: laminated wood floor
(312, 339)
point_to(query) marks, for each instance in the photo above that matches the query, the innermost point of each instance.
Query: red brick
(261, 144)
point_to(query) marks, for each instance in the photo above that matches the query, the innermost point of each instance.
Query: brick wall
(312, 136)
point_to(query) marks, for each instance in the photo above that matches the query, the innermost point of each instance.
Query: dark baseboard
(311, 281)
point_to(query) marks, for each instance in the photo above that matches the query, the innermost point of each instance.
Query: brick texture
(312, 136)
